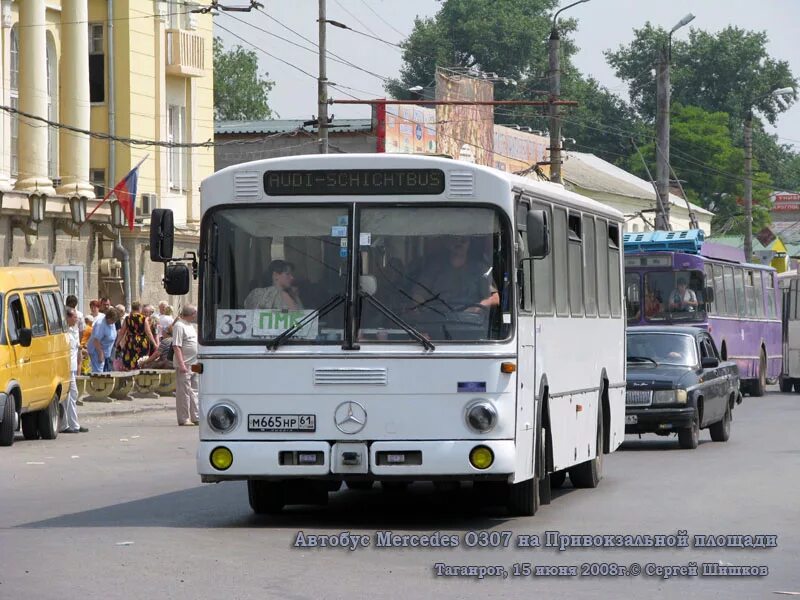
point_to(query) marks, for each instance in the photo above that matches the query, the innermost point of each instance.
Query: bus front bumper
(410, 460)
(653, 420)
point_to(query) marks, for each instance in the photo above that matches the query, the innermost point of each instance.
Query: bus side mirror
(709, 294)
(25, 336)
(162, 233)
(176, 279)
(538, 234)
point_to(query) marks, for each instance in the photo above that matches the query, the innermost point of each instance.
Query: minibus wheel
(30, 426)
(7, 426)
(48, 420)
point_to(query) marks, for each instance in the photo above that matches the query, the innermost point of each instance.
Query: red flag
(125, 191)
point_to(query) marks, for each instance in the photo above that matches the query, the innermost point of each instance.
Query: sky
(602, 25)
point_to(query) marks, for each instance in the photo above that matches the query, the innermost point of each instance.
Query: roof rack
(689, 241)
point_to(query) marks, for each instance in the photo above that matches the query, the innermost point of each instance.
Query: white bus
(400, 318)
(789, 283)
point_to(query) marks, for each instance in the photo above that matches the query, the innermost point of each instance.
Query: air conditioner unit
(146, 205)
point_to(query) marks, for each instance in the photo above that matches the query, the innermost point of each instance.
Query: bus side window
(560, 259)
(719, 291)
(741, 300)
(526, 293)
(760, 293)
(709, 282)
(36, 315)
(589, 268)
(614, 270)
(575, 260)
(769, 291)
(542, 279)
(601, 232)
(730, 293)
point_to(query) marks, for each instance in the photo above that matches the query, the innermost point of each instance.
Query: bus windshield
(441, 271)
(673, 296)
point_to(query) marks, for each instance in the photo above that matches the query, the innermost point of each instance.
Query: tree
(705, 159)
(506, 37)
(240, 93)
(728, 71)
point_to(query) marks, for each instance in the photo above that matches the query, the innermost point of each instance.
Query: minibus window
(16, 319)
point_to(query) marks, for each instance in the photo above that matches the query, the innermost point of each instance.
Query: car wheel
(721, 430)
(689, 437)
(557, 479)
(588, 474)
(7, 427)
(266, 497)
(30, 426)
(760, 385)
(48, 420)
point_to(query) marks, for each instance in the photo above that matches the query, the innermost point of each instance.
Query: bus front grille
(350, 376)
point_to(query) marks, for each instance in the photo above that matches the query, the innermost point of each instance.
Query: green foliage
(727, 71)
(240, 93)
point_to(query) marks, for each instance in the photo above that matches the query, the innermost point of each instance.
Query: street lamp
(748, 168)
(117, 215)
(555, 91)
(663, 90)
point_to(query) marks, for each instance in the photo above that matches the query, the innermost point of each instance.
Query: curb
(125, 411)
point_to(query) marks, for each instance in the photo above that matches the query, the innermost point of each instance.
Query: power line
(359, 21)
(377, 14)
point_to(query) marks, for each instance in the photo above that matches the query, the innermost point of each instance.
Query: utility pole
(748, 186)
(552, 109)
(322, 82)
(662, 140)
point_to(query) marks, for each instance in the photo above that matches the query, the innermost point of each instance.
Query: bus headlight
(481, 416)
(222, 418)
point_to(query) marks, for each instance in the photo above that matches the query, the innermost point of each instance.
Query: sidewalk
(125, 407)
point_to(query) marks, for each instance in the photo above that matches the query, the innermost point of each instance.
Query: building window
(14, 97)
(52, 108)
(98, 178)
(177, 14)
(97, 67)
(176, 134)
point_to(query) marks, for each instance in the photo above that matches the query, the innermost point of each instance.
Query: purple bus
(675, 277)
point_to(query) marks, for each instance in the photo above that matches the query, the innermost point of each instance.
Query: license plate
(631, 419)
(281, 423)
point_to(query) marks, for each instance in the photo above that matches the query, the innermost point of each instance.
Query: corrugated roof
(591, 172)
(271, 126)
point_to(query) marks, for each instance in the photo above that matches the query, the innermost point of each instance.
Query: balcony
(185, 53)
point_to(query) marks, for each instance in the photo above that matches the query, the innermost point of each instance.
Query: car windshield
(662, 348)
(674, 296)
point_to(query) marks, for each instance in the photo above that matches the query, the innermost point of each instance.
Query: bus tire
(759, 386)
(588, 474)
(545, 490)
(30, 426)
(523, 498)
(7, 427)
(557, 479)
(721, 430)
(796, 386)
(266, 497)
(785, 384)
(689, 437)
(48, 420)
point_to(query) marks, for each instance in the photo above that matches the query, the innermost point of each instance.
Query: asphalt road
(119, 513)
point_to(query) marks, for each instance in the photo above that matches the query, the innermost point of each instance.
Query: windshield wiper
(388, 312)
(641, 359)
(323, 310)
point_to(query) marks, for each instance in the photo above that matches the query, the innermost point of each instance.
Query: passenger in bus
(651, 304)
(457, 283)
(281, 295)
(682, 298)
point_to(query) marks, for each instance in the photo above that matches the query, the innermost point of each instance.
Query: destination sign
(343, 182)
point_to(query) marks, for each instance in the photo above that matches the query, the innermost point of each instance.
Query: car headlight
(222, 418)
(481, 416)
(669, 396)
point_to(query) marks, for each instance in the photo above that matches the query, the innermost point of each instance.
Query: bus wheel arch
(723, 350)
(605, 405)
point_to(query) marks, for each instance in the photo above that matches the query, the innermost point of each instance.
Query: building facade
(125, 71)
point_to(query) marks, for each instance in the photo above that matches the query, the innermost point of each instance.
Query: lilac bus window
(741, 302)
(674, 296)
(730, 292)
(769, 290)
(633, 305)
(719, 291)
(760, 293)
(711, 305)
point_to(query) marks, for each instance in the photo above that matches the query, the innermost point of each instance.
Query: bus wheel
(759, 386)
(30, 426)
(545, 488)
(785, 384)
(523, 498)
(557, 479)
(266, 497)
(689, 437)
(7, 427)
(721, 430)
(588, 474)
(48, 420)
(796, 386)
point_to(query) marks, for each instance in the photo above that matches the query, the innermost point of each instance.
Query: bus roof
(244, 182)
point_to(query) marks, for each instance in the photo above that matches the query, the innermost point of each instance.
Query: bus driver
(456, 284)
(682, 298)
(281, 295)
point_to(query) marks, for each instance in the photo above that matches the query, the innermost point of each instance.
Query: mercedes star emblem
(350, 417)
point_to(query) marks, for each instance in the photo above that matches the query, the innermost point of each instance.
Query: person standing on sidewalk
(70, 416)
(184, 344)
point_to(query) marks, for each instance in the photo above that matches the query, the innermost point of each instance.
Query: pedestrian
(69, 417)
(94, 308)
(135, 338)
(86, 365)
(72, 302)
(165, 319)
(122, 313)
(184, 344)
(101, 344)
(160, 358)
